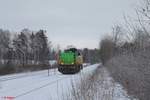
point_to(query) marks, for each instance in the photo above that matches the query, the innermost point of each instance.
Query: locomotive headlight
(72, 63)
(62, 63)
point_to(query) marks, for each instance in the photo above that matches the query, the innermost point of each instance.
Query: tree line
(24, 49)
(90, 55)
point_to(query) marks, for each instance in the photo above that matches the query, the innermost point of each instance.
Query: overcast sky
(68, 22)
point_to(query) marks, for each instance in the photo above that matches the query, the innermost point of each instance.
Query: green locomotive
(70, 61)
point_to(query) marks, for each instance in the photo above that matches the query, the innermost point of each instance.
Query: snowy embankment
(40, 86)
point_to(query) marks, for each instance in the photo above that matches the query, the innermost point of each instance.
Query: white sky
(68, 22)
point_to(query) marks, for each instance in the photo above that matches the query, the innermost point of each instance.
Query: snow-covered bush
(133, 71)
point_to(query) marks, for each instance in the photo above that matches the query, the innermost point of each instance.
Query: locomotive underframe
(69, 69)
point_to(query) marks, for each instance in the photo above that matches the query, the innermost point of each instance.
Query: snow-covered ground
(41, 86)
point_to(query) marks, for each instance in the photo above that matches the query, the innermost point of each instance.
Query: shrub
(7, 68)
(133, 72)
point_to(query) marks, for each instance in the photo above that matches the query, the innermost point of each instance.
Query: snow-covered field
(39, 85)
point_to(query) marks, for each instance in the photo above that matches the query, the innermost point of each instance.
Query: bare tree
(4, 44)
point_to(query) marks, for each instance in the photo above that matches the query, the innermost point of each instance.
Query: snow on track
(38, 85)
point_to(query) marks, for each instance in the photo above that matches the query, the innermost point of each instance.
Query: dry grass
(97, 86)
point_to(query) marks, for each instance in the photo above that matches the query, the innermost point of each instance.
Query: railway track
(24, 75)
(25, 88)
(39, 87)
(26, 85)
